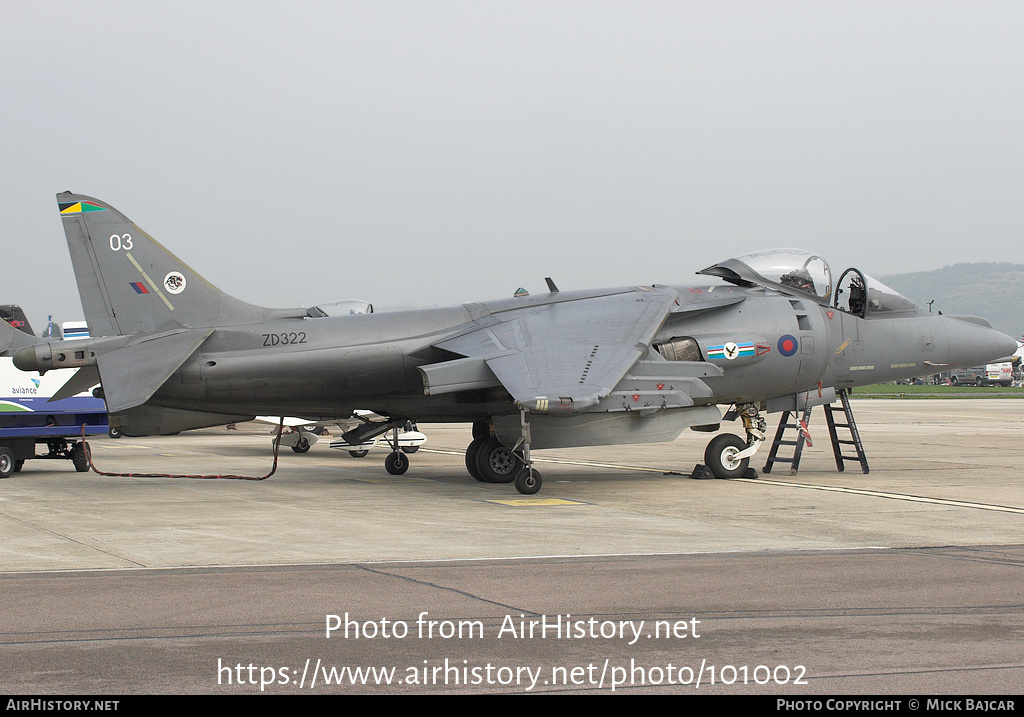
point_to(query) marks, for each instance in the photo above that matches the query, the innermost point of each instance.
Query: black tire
(396, 463)
(496, 463)
(718, 456)
(481, 429)
(114, 432)
(471, 454)
(359, 454)
(18, 465)
(527, 483)
(301, 445)
(7, 462)
(80, 457)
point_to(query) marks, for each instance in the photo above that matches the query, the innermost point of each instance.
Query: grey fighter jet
(765, 332)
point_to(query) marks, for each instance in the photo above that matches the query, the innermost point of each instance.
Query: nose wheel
(721, 456)
(727, 455)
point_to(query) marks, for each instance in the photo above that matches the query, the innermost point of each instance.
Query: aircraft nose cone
(995, 345)
(1005, 345)
(974, 345)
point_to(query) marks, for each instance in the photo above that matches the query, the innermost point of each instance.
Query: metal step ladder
(780, 440)
(802, 437)
(854, 440)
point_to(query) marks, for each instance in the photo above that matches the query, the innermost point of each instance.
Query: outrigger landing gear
(727, 455)
(527, 480)
(397, 462)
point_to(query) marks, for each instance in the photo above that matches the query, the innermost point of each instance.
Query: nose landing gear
(727, 455)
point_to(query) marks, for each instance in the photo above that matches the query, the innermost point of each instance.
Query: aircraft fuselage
(328, 366)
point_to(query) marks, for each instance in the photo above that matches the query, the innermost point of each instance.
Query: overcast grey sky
(425, 153)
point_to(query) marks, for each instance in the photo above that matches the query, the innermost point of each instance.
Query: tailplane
(129, 282)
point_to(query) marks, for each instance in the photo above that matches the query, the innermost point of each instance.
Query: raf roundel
(788, 345)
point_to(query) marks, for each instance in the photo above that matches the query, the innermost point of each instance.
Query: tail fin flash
(129, 283)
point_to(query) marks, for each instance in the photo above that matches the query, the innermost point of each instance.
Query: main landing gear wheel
(496, 463)
(720, 456)
(471, 454)
(397, 463)
(80, 457)
(527, 482)
(301, 445)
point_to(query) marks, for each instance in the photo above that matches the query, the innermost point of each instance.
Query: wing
(559, 354)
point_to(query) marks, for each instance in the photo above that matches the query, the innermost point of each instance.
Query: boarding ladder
(801, 437)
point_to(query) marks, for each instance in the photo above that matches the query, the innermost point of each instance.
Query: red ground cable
(273, 469)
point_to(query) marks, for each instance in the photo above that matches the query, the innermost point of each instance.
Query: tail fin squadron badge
(174, 282)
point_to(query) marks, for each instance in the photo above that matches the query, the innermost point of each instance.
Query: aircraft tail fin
(129, 282)
(11, 339)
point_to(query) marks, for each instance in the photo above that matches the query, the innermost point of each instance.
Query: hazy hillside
(989, 289)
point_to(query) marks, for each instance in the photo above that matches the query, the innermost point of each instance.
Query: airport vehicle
(993, 374)
(768, 331)
(28, 419)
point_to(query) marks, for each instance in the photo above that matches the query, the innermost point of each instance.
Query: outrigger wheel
(396, 463)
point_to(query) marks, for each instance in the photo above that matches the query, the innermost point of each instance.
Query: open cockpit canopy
(857, 293)
(805, 274)
(793, 271)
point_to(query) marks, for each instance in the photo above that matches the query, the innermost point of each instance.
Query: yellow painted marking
(517, 502)
(902, 365)
(843, 346)
(862, 368)
(76, 207)
(151, 282)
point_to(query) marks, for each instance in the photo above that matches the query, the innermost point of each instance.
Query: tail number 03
(121, 241)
